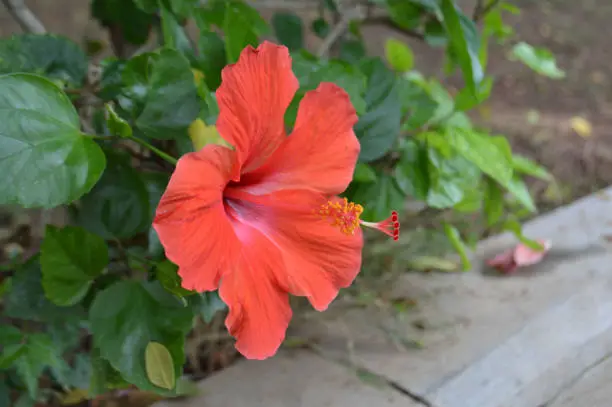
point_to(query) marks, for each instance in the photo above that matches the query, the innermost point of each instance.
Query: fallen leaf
(581, 126)
(519, 256)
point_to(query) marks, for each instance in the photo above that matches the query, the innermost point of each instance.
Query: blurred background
(562, 124)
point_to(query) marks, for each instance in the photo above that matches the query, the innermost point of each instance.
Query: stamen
(346, 216)
(343, 214)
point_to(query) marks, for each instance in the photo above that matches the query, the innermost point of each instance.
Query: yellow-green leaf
(74, 396)
(399, 55)
(201, 135)
(159, 366)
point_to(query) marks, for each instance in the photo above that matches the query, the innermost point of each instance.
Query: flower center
(346, 216)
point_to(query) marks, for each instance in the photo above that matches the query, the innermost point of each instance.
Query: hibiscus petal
(253, 97)
(191, 220)
(526, 256)
(259, 311)
(519, 256)
(319, 259)
(322, 151)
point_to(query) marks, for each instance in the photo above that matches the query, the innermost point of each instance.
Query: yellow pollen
(343, 214)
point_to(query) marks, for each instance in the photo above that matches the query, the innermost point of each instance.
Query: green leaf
(411, 172)
(118, 206)
(311, 73)
(289, 30)
(364, 173)
(399, 55)
(242, 26)
(10, 353)
(379, 127)
(540, 60)
(182, 8)
(116, 125)
(27, 300)
(13, 346)
(5, 394)
(494, 25)
(320, 27)
(352, 51)
(465, 100)
(212, 57)
(435, 33)
(379, 198)
(526, 166)
(128, 315)
(78, 375)
(174, 34)
(491, 154)
(71, 259)
(472, 200)
(464, 43)
(345, 76)
(135, 24)
(418, 107)
(111, 80)
(517, 229)
(9, 335)
(166, 273)
(45, 161)
(150, 6)
(493, 202)
(210, 13)
(455, 238)
(519, 190)
(159, 366)
(208, 304)
(406, 14)
(450, 176)
(53, 56)
(171, 102)
(40, 353)
(103, 376)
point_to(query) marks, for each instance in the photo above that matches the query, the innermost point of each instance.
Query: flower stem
(156, 150)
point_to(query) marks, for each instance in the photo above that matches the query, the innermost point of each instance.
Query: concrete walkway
(538, 338)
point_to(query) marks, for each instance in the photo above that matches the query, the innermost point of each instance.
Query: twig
(339, 29)
(24, 16)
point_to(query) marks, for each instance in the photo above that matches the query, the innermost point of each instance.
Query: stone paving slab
(517, 341)
(593, 389)
(293, 378)
(492, 341)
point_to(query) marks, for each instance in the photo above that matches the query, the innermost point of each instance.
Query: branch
(339, 29)
(24, 16)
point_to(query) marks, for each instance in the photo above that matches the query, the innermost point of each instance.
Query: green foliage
(71, 259)
(45, 160)
(128, 315)
(104, 147)
(539, 59)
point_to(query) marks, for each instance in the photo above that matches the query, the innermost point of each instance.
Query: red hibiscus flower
(264, 220)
